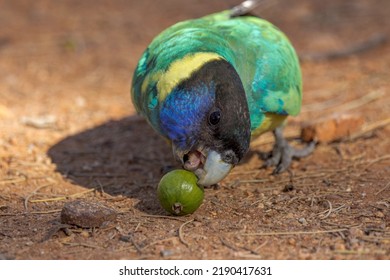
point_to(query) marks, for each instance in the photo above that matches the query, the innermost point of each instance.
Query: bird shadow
(121, 157)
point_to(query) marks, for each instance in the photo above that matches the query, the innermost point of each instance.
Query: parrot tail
(244, 8)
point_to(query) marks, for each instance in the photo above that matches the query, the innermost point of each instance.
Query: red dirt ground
(68, 131)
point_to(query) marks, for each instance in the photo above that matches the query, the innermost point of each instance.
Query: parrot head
(206, 118)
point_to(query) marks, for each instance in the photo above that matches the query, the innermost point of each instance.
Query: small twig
(350, 105)
(370, 43)
(373, 239)
(79, 174)
(135, 244)
(347, 252)
(129, 249)
(384, 203)
(252, 181)
(230, 246)
(44, 212)
(13, 180)
(102, 189)
(248, 7)
(323, 105)
(294, 232)
(359, 102)
(373, 161)
(329, 211)
(181, 235)
(10, 214)
(33, 193)
(261, 245)
(82, 244)
(342, 225)
(252, 251)
(381, 190)
(127, 237)
(159, 241)
(32, 213)
(137, 227)
(54, 230)
(368, 128)
(161, 217)
(62, 197)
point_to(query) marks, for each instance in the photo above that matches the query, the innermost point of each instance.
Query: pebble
(339, 247)
(379, 214)
(302, 221)
(290, 215)
(84, 233)
(46, 121)
(261, 206)
(86, 214)
(292, 241)
(197, 224)
(166, 253)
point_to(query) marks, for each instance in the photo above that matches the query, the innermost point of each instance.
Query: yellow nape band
(181, 70)
(270, 122)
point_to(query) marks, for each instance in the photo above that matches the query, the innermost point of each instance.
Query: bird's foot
(283, 154)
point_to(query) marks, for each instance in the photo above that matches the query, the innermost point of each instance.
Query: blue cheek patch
(182, 113)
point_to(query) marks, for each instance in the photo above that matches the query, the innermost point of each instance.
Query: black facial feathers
(225, 127)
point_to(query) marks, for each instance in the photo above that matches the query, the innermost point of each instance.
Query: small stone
(268, 203)
(3, 207)
(302, 221)
(292, 241)
(367, 220)
(197, 224)
(45, 121)
(356, 232)
(290, 215)
(166, 253)
(84, 233)
(288, 188)
(86, 214)
(379, 214)
(339, 247)
(260, 205)
(125, 238)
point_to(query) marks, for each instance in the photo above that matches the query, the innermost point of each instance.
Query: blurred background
(68, 130)
(57, 56)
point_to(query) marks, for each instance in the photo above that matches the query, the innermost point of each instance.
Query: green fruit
(179, 192)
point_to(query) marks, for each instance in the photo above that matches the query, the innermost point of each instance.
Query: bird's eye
(215, 117)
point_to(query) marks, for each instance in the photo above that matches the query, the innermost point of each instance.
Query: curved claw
(283, 153)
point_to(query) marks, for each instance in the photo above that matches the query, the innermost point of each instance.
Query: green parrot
(211, 85)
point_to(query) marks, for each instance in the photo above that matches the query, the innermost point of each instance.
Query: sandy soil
(68, 131)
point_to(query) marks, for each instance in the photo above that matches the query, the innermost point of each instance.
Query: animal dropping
(86, 214)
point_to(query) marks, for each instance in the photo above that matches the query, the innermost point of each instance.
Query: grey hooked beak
(214, 169)
(207, 165)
